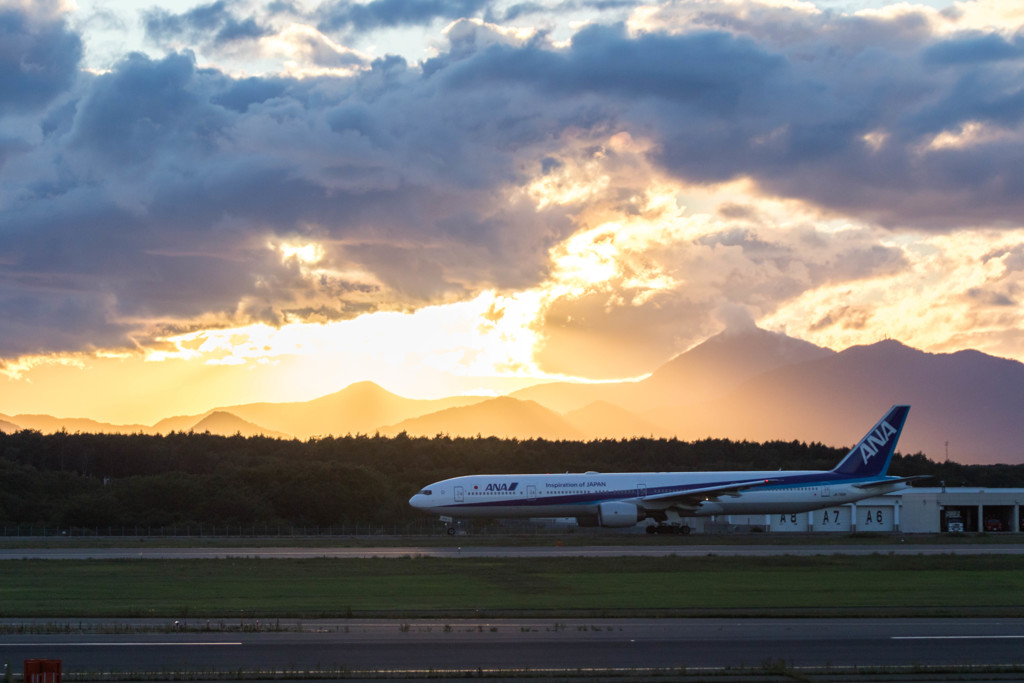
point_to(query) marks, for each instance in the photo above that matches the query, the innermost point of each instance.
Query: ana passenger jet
(625, 499)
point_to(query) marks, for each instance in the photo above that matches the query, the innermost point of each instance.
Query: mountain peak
(364, 389)
(887, 344)
(226, 424)
(719, 364)
(708, 370)
(367, 386)
(761, 342)
(503, 416)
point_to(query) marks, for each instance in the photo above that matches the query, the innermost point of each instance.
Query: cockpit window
(426, 492)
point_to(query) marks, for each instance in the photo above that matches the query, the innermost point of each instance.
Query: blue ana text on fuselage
(503, 487)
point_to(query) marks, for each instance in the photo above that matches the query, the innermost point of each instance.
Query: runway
(568, 648)
(143, 551)
(534, 645)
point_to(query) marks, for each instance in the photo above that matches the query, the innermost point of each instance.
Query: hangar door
(796, 521)
(876, 518)
(833, 519)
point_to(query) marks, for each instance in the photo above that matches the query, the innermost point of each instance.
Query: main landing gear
(681, 529)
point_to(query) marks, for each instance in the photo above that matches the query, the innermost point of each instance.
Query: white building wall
(920, 513)
(914, 511)
(919, 510)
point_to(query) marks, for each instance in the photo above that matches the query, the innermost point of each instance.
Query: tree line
(113, 480)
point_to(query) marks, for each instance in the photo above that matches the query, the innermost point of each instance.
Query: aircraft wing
(891, 480)
(692, 498)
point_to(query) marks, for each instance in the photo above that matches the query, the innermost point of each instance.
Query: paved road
(157, 553)
(536, 644)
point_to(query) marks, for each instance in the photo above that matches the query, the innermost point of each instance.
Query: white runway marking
(1006, 637)
(110, 644)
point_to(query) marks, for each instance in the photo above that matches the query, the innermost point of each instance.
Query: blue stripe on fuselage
(806, 480)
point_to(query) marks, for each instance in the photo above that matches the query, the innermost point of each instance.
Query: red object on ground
(42, 670)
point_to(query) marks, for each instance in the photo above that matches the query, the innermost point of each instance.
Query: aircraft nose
(416, 500)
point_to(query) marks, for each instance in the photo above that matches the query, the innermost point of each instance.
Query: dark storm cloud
(243, 93)
(144, 109)
(708, 72)
(523, 10)
(792, 104)
(841, 258)
(38, 61)
(213, 23)
(162, 187)
(857, 263)
(974, 49)
(845, 317)
(366, 16)
(988, 297)
(994, 96)
(155, 193)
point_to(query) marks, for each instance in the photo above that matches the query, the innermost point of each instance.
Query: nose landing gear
(451, 526)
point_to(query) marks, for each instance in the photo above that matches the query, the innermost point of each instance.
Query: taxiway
(454, 550)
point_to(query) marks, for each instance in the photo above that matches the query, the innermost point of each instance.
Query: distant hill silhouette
(603, 420)
(360, 408)
(504, 417)
(178, 423)
(226, 424)
(970, 399)
(748, 384)
(722, 363)
(48, 424)
(564, 397)
(709, 370)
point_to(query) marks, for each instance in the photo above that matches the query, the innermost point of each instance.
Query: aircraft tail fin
(871, 457)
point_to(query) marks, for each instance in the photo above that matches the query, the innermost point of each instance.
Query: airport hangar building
(912, 510)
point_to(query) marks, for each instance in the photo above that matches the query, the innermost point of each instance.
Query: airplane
(620, 500)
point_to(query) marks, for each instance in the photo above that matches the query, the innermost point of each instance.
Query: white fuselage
(580, 495)
(623, 499)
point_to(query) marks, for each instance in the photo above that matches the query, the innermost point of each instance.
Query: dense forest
(107, 480)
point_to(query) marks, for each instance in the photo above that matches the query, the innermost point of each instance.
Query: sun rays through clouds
(276, 200)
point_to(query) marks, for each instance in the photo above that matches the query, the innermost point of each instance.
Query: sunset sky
(221, 203)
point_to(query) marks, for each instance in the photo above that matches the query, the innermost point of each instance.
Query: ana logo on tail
(881, 441)
(875, 440)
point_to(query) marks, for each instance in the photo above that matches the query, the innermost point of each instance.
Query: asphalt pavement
(494, 646)
(142, 551)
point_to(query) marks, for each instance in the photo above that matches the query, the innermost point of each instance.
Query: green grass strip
(897, 585)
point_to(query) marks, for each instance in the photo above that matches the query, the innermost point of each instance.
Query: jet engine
(616, 514)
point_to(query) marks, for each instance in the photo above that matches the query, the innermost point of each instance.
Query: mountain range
(749, 385)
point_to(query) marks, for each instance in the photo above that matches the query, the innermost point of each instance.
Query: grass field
(407, 587)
